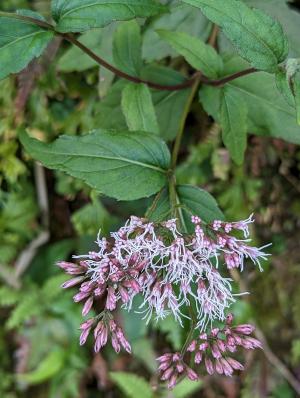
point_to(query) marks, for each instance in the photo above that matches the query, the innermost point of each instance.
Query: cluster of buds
(172, 367)
(171, 271)
(104, 329)
(213, 349)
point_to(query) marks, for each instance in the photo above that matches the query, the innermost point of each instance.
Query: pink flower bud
(180, 367)
(229, 319)
(115, 343)
(228, 370)
(87, 306)
(111, 301)
(244, 329)
(192, 346)
(191, 374)
(235, 364)
(172, 382)
(215, 351)
(209, 366)
(198, 357)
(221, 345)
(167, 374)
(219, 367)
(72, 282)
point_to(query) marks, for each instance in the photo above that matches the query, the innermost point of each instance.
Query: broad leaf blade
(233, 117)
(268, 112)
(258, 37)
(123, 165)
(20, 42)
(138, 108)
(81, 15)
(199, 55)
(127, 48)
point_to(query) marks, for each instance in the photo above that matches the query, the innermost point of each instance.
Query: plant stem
(196, 78)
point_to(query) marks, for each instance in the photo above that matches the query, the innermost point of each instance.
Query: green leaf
(123, 165)
(127, 48)
(268, 112)
(191, 201)
(181, 18)
(199, 55)
(81, 15)
(138, 108)
(296, 92)
(258, 37)
(284, 87)
(20, 42)
(47, 368)
(133, 386)
(233, 117)
(186, 388)
(169, 105)
(75, 59)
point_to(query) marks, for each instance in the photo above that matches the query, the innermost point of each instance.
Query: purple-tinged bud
(115, 343)
(80, 296)
(101, 339)
(231, 348)
(229, 319)
(231, 341)
(214, 332)
(221, 345)
(219, 367)
(100, 289)
(244, 329)
(215, 351)
(87, 306)
(176, 357)
(112, 325)
(192, 346)
(198, 357)
(251, 343)
(167, 374)
(191, 374)
(237, 339)
(235, 364)
(71, 268)
(203, 336)
(84, 335)
(165, 357)
(203, 346)
(111, 301)
(87, 324)
(72, 282)
(124, 294)
(209, 366)
(180, 367)
(173, 381)
(226, 367)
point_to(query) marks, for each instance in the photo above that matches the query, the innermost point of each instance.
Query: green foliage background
(65, 92)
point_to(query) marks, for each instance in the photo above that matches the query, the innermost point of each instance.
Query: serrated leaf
(268, 112)
(25, 309)
(186, 388)
(46, 369)
(138, 108)
(181, 18)
(258, 38)
(8, 296)
(20, 42)
(133, 386)
(191, 201)
(123, 165)
(81, 15)
(127, 48)
(199, 55)
(233, 119)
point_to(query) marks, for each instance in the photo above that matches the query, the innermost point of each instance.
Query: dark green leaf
(181, 18)
(127, 48)
(233, 118)
(123, 165)
(268, 112)
(81, 15)
(20, 42)
(258, 37)
(198, 54)
(138, 108)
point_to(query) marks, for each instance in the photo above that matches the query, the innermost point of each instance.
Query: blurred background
(47, 216)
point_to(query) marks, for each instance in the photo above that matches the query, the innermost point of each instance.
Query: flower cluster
(172, 271)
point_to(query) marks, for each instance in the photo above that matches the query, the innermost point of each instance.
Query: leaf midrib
(121, 159)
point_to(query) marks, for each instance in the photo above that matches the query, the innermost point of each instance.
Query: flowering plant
(217, 70)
